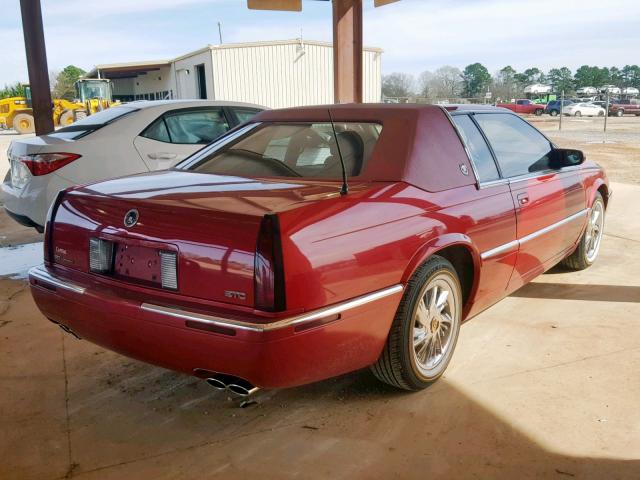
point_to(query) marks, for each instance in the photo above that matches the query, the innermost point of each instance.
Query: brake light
(44, 163)
(268, 267)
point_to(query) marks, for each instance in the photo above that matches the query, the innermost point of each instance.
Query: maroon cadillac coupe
(316, 241)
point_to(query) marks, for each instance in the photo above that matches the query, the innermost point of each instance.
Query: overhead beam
(347, 51)
(37, 65)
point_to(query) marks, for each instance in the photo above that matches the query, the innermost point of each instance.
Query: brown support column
(37, 65)
(347, 51)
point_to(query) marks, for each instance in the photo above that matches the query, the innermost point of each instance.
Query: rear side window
(520, 149)
(191, 127)
(478, 149)
(295, 150)
(245, 114)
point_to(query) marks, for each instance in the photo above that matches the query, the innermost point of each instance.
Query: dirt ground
(543, 385)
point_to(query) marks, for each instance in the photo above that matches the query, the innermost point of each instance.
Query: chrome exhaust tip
(242, 388)
(216, 383)
(220, 381)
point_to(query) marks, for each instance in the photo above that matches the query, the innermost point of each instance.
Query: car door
(494, 229)
(176, 134)
(550, 204)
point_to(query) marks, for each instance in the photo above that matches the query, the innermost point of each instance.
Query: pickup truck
(621, 107)
(523, 106)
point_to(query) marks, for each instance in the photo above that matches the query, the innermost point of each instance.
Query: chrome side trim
(553, 226)
(265, 327)
(516, 243)
(542, 173)
(499, 249)
(42, 275)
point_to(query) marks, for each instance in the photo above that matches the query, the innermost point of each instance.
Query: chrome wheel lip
(434, 324)
(594, 231)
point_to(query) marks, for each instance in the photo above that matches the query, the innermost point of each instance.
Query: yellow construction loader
(94, 95)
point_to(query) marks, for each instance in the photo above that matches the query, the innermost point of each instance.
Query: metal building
(275, 74)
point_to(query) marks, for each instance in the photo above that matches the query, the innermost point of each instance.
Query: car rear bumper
(285, 352)
(31, 202)
(24, 220)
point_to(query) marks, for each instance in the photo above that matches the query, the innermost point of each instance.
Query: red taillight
(268, 267)
(43, 163)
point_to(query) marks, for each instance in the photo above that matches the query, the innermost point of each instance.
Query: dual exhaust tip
(236, 385)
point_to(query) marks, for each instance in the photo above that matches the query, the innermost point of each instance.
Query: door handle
(523, 198)
(162, 156)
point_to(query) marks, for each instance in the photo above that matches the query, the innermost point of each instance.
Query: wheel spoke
(422, 313)
(432, 299)
(594, 217)
(442, 300)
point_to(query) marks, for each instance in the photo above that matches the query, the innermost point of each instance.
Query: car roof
(144, 104)
(385, 109)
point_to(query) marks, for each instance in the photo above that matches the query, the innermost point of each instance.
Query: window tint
(158, 131)
(295, 150)
(200, 126)
(245, 114)
(478, 149)
(519, 148)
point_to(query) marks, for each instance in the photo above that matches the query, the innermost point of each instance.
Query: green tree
(631, 76)
(397, 85)
(475, 79)
(587, 76)
(64, 84)
(15, 90)
(560, 79)
(529, 77)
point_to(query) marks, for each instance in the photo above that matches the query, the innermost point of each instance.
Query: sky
(416, 35)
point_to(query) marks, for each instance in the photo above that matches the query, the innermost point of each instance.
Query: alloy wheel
(435, 323)
(595, 228)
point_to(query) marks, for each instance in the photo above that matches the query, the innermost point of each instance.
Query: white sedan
(132, 138)
(580, 109)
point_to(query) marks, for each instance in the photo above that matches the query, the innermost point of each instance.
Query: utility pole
(606, 115)
(37, 65)
(561, 109)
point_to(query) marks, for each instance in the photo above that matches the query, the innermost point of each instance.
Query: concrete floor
(546, 384)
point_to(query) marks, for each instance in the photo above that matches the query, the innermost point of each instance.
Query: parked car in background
(523, 106)
(586, 109)
(622, 107)
(136, 137)
(553, 107)
(320, 240)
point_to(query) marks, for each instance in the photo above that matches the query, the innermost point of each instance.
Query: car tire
(427, 322)
(620, 113)
(578, 114)
(23, 123)
(554, 113)
(538, 112)
(601, 114)
(589, 245)
(67, 118)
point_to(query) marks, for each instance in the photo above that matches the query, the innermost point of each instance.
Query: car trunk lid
(209, 223)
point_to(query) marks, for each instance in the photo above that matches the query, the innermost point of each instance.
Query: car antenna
(345, 186)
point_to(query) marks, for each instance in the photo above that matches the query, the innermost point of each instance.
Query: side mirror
(566, 157)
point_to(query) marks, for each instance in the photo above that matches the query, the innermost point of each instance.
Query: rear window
(93, 122)
(295, 150)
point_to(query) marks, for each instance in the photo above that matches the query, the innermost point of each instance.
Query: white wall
(285, 75)
(274, 74)
(185, 77)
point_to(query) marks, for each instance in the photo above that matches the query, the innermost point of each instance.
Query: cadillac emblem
(131, 218)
